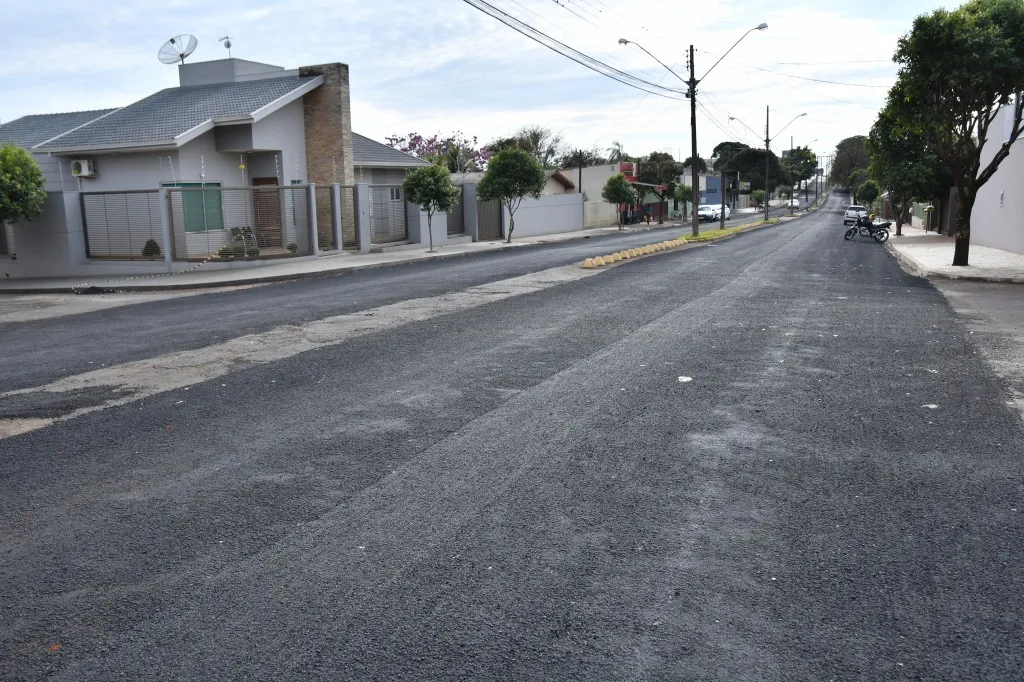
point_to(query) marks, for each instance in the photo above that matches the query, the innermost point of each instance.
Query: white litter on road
(931, 407)
(685, 380)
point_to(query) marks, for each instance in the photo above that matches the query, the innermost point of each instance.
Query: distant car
(712, 212)
(794, 203)
(852, 213)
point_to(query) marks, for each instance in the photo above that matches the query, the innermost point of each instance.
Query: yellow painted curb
(599, 261)
(624, 255)
(615, 257)
(633, 253)
(588, 263)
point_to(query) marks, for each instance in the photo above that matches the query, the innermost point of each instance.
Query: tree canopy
(537, 141)
(431, 188)
(512, 174)
(617, 190)
(750, 163)
(723, 153)
(702, 165)
(851, 154)
(458, 153)
(958, 68)
(22, 187)
(660, 169)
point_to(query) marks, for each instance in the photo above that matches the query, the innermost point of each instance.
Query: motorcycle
(866, 228)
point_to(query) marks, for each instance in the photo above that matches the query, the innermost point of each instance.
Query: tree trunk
(899, 209)
(511, 226)
(430, 231)
(963, 229)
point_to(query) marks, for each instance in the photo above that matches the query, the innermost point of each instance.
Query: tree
(750, 164)
(725, 151)
(801, 163)
(581, 157)
(857, 178)
(702, 165)
(458, 153)
(617, 190)
(958, 68)
(683, 194)
(617, 153)
(868, 192)
(22, 187)
(902, 163)
(661, 171)
(431, 188)
(511, 175)
(851, 154)
(757, 196)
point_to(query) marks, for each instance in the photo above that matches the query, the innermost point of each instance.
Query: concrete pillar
(165, 225)
(336, 215)
(469, 215)
(313, 236)
(363, 227)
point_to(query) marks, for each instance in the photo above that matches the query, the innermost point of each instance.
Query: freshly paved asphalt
(526, 490)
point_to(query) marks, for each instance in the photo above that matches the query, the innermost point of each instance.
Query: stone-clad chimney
(328, 118)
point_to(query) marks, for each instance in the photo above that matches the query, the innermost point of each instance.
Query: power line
(575, 55)
(806, 78)
(853, 61)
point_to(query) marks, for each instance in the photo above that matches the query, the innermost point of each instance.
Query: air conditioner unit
(82, 168)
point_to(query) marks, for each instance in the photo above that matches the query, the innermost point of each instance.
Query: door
(266, 204)
(488, 220)
(456, 219)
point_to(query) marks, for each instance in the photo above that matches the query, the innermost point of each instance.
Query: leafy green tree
(868, 192)
(617, 190)
(857, 178)
(617, 153)
(801, 164)
(702, 165)
(958, 68)
(723, 153)
(432, 189)
(757, 196)
(750, 164)
(22, 187)
(581, 157)
(851, 155)
(683, 195)
(660, 170)
(511, 175)
(903, 164)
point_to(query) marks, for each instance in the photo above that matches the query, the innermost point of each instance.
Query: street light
(691, 93)
(767, 149)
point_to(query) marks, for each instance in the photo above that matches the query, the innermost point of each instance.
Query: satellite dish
(177, 48)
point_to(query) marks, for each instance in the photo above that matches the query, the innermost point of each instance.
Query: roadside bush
(151, 249)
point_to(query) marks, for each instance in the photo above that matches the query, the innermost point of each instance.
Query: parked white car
(712, 212)
(852, 213)
(794, 203)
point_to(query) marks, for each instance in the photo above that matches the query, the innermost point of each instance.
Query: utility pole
(722, 216)
(767, 155)
(791, 182)
(692, 94)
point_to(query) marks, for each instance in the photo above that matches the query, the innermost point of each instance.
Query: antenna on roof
(227, 43)
(177, 48)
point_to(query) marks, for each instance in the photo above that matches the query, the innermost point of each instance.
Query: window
(202, 211)
(396, 194)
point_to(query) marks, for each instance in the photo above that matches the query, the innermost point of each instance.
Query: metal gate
(456, 218)
(488, 220)
(387, 215)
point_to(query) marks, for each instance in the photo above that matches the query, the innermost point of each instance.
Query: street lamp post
(691, 93)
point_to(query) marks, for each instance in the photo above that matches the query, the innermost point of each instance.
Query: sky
(439, 66)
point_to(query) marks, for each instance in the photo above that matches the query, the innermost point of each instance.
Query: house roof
(29, 131)
(565, 182)
(172, 117)
(367, 152)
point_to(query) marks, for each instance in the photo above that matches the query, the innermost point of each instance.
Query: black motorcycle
(865, 228)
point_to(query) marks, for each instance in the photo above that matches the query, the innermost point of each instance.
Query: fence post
(364, 233)
(336, 216)
(165, 224)
(314, 236)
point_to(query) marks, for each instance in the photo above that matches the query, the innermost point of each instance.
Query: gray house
(242, 158)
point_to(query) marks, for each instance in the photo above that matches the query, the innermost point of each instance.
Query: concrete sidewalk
(929, 255)
(275, 271)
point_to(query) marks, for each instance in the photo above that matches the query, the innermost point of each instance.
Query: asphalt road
(528, 490)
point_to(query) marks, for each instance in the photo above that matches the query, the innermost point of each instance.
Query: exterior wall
(997, 219)
(547, 215)
(553, 186)
(56, 172)
(225, 71)
(284, 132)
(594, 178)
(119, 172)
(328, 126)
(599, 214)
(384, 176)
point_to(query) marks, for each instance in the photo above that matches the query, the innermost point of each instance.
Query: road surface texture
(777, 457)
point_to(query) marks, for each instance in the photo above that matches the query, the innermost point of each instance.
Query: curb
(912, 266)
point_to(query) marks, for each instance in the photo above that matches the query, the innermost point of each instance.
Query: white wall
(284, 132)
(997, 220)
(600, 214)
(119, 172)
(547, 215)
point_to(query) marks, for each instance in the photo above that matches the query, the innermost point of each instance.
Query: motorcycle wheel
(850, 233)
(881, 235)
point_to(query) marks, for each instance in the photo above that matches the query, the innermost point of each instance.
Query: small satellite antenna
(227, 43)
(177, 48)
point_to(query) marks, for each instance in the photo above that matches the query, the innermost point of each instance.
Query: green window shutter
(202, 211)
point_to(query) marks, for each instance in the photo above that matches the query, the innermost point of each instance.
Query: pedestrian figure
(647, 214)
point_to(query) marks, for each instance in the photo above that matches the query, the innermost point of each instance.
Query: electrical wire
(806, 78)
(575, 55)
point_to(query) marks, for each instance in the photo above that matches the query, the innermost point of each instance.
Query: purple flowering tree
(457, 153)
